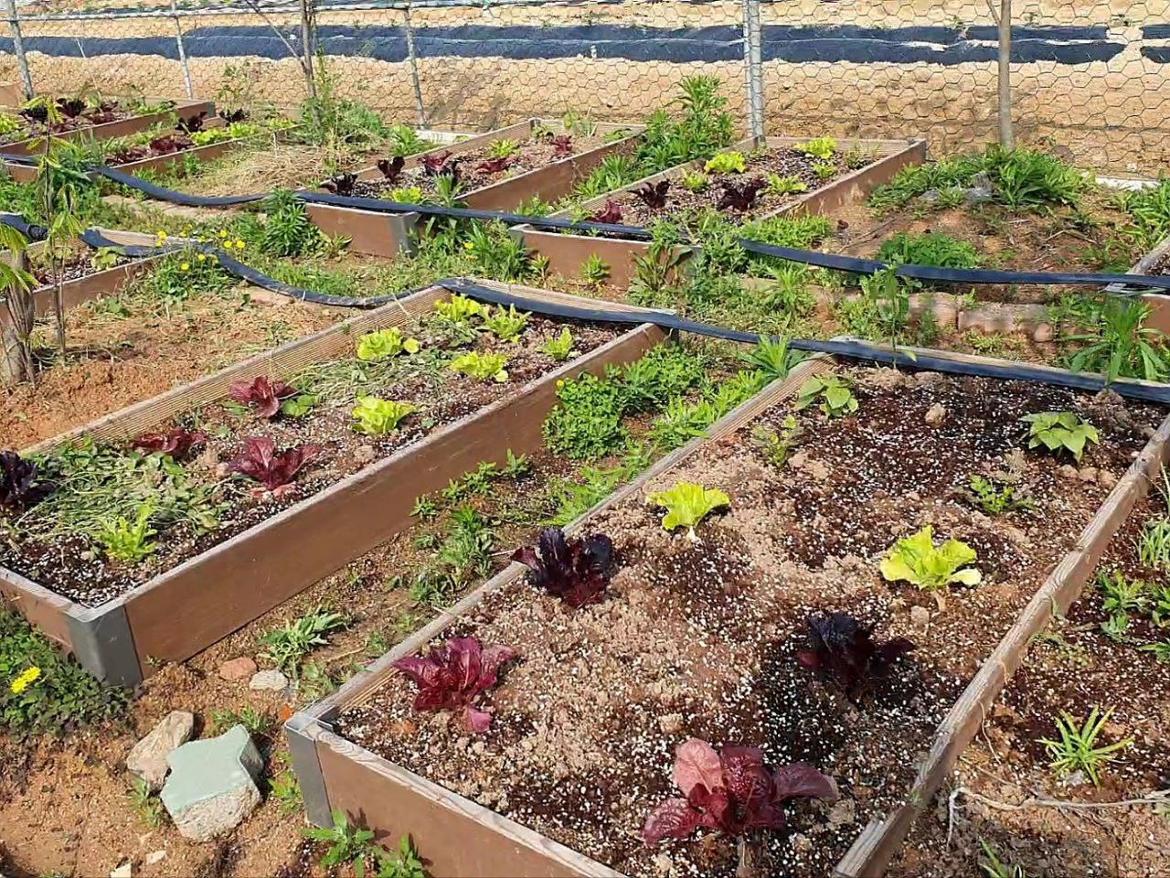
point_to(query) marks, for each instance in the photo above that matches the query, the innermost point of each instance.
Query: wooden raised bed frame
(566, 253)
(231, 584)
(388, 234)
(337, 774)
(1159, 302)
(119, 128)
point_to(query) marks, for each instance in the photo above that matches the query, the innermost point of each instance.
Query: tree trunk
(59, 308)
(16, 362)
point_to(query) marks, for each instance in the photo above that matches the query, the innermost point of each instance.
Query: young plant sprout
(687, 504)
(836, 398)
(734, 792)
(726, 163)
(494, 166)
(129, 541)
(273, 469)
(819, 147)
(576, 570)
(1077, 748)
(378, 417)
(262, 395)
(611, 213)
(391, 168)
(484, 367)
(1060, 431)
(653, 195)
(560, 347)
(562, 145)
(455, 675)
(384, 343)
(506, 325)
(439, 164)
(17, 477)
(785, 185)
(176, 443)
(459, 309)
(694, 181)
(916, 559)
(841, 647)
(342, 184)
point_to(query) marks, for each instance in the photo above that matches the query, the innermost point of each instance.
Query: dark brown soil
(78, 266)
(1073, 667)
(84, 120)
(70, 566)
(532, 153)
(783, 162)
(1162, 266)
(698, 638)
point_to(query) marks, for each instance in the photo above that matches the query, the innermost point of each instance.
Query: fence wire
(1089, 77)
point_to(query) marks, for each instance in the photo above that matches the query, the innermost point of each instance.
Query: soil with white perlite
(699, 638)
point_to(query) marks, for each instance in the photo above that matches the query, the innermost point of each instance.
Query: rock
(126, 870)
(886, 378)
(671, 723)
(212, 785)
(930, 196)
(1087, 474)
(268, 681)
(1074, 780)
(842, 813)
(365, 454)
(241, 668)
(148, 758)
(663, 864)
(1106, 479)
(155, 857)
(928, 379)
(1067, 471)
(920, 616)
(266, 297)
(936, 414)
(980, 190)
(1043, 333)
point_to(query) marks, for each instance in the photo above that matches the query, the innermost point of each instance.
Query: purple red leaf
(168, 143)
(275, 470)
(17, 476)
(71, 108)
(261, 394)
(192, 123)
(562, 145)
(231, 116)
(611, 213)
(741, 197)
(454, 675)
(842, 647)
(732, 791)
(494, 166)
(175, 442)
(391, 168)
(342, 184)
(653, 195)
(575, 570)
(439, 164)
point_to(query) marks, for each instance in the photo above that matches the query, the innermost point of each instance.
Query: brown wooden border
(119, 128)
(381, 234)
(234, 582)
(566, 252)
(1159, 302)
(337, 774)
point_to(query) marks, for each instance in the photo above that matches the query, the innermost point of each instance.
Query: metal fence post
(1006, 135)
(753, 67)
(309, 45)
(182, 51)
(412, 57)
(18, 46)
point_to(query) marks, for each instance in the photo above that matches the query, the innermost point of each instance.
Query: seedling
(1059, 431)
(576, 570)
(288, 644)
(917, 560)
(819, 147)
(785, 185)
(1160, 612)
(1120, 594)
(286, 790)
(653, 195)
(993, 867)
(687, 504)
(1077, 748)
(595, 271)
(129, 541)
(145, 803)
(996, 498)
(378, 417)
(833, 391)
(484, 367)
(503, 148)
(17, 477)
(1154, 547)
(257, 722)
(824, 170)
(299, 406)
(777, 445)
(506, 324)
(694, 181)
(1116, 627)
(345, 844)
(610, 213)
(560, 347)
(840, 646)
(740, 198)
(459, 309)
(726, 163)
(384, 343)
(175, 443)
(454, 675)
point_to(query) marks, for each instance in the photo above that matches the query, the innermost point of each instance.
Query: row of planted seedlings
(735, 663)
(177, 499)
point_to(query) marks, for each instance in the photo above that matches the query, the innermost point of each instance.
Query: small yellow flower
(468, 245)
(239, 244)
(162, 236)
(223, 233)
(186, 266)
(26, 678)
(202, 257)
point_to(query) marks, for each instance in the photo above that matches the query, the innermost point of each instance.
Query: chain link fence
(1089, 78)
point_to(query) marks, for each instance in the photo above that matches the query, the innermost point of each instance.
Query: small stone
(148, 758)
(930, 196)
(927, 379)
(978, 195)
(241, 668)
(1074, 780)
(365, 454)
(1043, 333)
(126, 870)
(920, 616)
(671, 723)
(1106, 479)
(936, 414)
(1087, 474)
(155, 857)
(212, 786)
(663, 864)
(842, 813)
(268, 681)
(1067, 471)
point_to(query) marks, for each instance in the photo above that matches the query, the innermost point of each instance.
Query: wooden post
(309, 44)
(412, 56)
(1006, 136)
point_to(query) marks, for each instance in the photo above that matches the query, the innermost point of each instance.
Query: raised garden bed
(1156, 262)
(882, 160)
(118, 127)
(699, 638)
(541, 167)
(118, 616)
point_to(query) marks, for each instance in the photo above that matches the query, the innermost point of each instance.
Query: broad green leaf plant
(378, 417)
(687, 504)
(916, 559)
(484, 367)
(833, 391)
(1059, 431)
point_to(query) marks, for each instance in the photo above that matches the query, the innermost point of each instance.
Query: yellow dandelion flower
(223, 233)
(186, 266)
(26, 679)
(202, 257)
(239, 244)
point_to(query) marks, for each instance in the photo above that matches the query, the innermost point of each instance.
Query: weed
(1150, 212)
(587, 421)
(993, 867)
(1120, 594)
(144, 803)
(258, 722)
(931, 248)
(286, 790)
(1116, 627)
(1077, 749)
(1154, 545)
(1117, 343)
(464, 554)
(773, 358)
(995, 497)
(345, 844)
(595, 271)
(287, 230)
(777, 445)
(286, 645)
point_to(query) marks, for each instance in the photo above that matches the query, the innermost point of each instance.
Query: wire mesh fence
(1088, 77)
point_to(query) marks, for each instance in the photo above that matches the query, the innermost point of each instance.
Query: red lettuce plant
(36, 113)
(611, 213)
(175, 443)
(438, 164)
(732, 791)
(17, 476)
(842, 647)
(575, 570)
(453, 676)
(494, 166)
(261, 394)
(342, 184)
(275, 470)
(70, 108)
(741, 198)
(391, 168)
(653, 195)
(192, 123)
(231, 116)
(562, 145)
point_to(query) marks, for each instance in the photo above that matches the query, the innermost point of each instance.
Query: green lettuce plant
(377, 417)
(459, 309)
(129, 541)
(1058, 431)
(916, 559)
(485, 367)
(726, 163)
(687, 504)
(383, 343)
(819, 147)
(505, 324)
(561, 347)
(785, 185)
